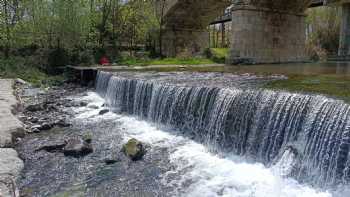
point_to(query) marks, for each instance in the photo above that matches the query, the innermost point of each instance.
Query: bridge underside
(185, 32)
(263, 31)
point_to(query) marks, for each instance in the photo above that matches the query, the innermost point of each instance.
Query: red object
(104, 61)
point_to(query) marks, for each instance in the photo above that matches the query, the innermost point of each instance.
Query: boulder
(104, 111)
(77, 147)
(134, 149)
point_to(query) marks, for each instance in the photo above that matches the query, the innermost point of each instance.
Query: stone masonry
(262, 36)
(10, 164)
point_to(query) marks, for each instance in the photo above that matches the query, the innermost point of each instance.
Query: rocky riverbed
(65, 155)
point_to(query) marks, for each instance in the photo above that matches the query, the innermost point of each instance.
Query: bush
(57, 59)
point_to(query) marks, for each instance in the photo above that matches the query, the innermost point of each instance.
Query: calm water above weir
(341, 69)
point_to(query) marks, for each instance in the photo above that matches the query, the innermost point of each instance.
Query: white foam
(205, 174)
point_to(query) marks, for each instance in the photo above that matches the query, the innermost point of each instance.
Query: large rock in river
(134, 149)
(77, 147)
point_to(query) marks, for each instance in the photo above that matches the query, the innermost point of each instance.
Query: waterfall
(257, 124)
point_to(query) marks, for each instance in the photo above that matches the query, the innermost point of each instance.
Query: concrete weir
(10, 127)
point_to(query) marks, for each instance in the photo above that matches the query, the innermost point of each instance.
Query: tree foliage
(76, 24)
(323, 30)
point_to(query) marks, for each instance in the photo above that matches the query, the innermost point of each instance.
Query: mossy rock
(134, 149)
(87, 137)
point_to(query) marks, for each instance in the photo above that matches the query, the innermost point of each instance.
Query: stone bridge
(263, 31)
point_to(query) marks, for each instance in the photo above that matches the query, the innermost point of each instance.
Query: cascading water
(262, 125)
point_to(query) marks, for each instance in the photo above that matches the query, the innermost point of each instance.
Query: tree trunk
(7, 26)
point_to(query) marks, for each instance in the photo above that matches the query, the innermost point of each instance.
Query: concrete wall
(263, 36)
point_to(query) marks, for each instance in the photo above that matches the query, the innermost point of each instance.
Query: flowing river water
(207, 135)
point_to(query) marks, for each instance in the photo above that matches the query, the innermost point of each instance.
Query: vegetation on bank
(24, 68)
(330, 85)
(211, 56)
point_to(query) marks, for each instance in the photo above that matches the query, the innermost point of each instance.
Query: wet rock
(104, 111)
(287, 162)
(61, 123)
(35, 107)
(83, 104)
(93, 106)
(46, 126)
(20, 81)
(33, 119)
(134, 149)
(110, 161)
(35, 128)
(42, 127)
(55, 147)
(77, 147)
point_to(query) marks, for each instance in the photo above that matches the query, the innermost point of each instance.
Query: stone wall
(344, 43)
(263, 36)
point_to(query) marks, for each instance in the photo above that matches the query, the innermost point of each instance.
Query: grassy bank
(330, 85)
(132, 61)
(18, 67)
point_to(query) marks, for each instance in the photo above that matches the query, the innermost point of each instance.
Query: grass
(330, 85)
(220, 52)
(17, 67)
(219, 55)
(131, 61)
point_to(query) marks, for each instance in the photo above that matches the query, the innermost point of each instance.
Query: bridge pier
(184, 42)
(344, 43)
(261, 35)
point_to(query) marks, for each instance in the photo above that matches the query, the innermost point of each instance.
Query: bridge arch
(263, 31)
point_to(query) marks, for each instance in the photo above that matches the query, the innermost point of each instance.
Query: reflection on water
(331, 68)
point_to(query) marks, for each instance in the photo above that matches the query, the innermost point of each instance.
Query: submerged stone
(104, 111)
(76, 147)
(134, 149)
